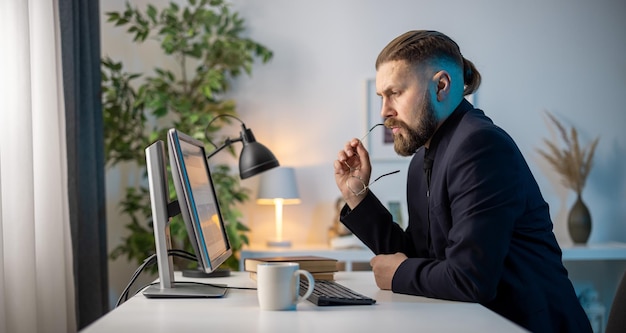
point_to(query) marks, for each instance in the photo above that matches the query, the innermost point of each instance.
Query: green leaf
(206, 90)
(113, 16)
(152, 13)
(121, 21)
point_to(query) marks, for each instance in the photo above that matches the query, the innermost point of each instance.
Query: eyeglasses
(355, 183)
(370, 131)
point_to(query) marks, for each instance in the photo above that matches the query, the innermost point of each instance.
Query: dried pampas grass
(573, 163)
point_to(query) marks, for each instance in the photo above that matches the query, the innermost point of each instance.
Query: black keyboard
(327, 292)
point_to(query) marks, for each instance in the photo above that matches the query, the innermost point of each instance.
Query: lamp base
(279, 243)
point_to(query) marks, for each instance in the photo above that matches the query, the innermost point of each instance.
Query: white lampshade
(278, 183)
(278, 187)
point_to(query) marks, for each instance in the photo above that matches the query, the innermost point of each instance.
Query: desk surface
(239, 311)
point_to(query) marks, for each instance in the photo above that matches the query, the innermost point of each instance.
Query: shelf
(602, 251)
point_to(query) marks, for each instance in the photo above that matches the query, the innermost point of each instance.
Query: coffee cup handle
(311, 285)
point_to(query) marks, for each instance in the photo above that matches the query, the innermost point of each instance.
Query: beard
(407, 144)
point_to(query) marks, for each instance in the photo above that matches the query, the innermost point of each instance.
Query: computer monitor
(198, 201)
(199, 207)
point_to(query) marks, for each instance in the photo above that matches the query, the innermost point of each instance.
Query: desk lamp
(253, 159)
(278, 187)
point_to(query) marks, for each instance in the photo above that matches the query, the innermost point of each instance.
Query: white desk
(238, 311)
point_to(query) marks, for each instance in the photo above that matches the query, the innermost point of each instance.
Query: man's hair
(422, 46)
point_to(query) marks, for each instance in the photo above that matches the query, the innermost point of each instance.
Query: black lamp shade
(254, 159)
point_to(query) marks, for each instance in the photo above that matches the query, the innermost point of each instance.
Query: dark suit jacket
(483, 235)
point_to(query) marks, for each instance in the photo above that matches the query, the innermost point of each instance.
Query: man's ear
(442, 81)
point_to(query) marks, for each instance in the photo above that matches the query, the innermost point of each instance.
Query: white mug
(278, 285)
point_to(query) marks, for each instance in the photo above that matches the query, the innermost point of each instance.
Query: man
(479, 229)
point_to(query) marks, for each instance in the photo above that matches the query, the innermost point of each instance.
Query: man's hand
(352, 172)
(384, 267)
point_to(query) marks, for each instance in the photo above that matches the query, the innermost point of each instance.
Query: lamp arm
(206, 129)
(227, 143)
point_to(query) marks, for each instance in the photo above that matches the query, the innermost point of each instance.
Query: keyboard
(328, 293)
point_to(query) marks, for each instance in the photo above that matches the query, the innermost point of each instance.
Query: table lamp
(278, 187)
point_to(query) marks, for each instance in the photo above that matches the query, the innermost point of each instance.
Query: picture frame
(395, 208)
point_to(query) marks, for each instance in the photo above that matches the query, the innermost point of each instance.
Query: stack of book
(321, 268)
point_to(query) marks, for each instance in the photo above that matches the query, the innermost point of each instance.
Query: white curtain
(36, 274)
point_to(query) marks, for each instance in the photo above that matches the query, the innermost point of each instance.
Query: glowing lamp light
(278, 187)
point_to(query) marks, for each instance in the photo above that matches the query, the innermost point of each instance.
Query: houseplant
(573, 163)
(205, 39)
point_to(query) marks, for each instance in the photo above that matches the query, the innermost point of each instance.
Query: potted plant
(573, 163)
(205, 39)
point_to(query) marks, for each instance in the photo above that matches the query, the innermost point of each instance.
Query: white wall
(563, 56)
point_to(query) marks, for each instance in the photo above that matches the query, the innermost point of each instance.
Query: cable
(124, 293)
(150, 261)
(147, 262)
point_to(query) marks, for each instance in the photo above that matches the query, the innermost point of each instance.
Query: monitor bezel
(185, 200)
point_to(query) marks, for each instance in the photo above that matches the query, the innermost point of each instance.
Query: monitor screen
(198, 201)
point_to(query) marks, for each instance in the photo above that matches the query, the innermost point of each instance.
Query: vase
(579, 221)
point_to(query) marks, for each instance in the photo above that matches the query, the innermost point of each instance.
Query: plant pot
(579, 222)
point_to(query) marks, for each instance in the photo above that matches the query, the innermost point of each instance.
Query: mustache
(391, 122)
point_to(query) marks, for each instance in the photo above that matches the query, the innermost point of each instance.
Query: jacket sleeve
(373, 224)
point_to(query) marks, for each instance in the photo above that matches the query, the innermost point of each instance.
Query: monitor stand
(186, 290)
(159, 198)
